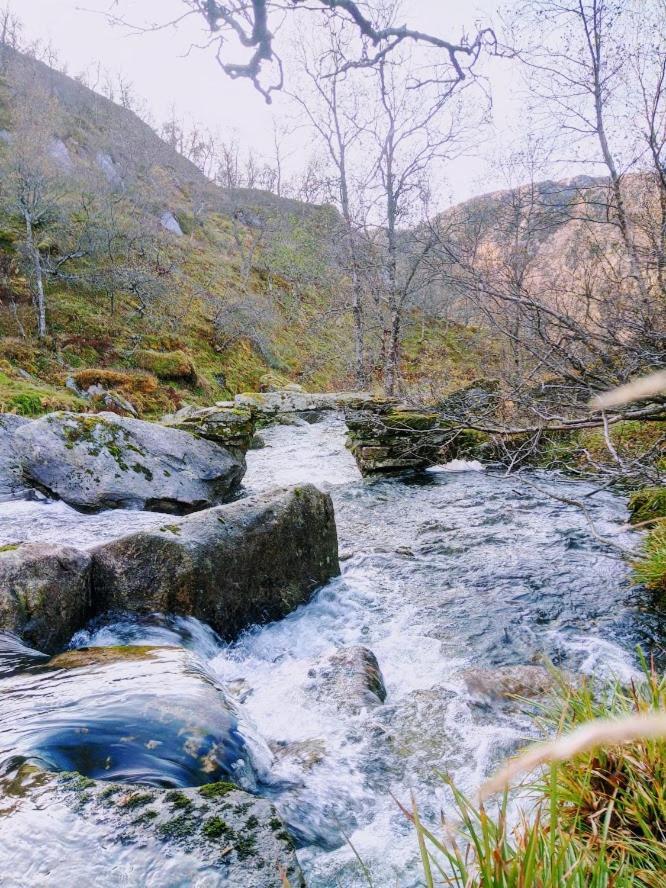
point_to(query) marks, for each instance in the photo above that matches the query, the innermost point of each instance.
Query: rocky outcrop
(44, 593)
(386, 438)
(105, 461)
(350, 678)
(12, 483)
(226, 424)
(506, 682)
(138, 748)
(231, 566)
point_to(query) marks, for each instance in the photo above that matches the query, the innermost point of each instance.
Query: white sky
(165, 77)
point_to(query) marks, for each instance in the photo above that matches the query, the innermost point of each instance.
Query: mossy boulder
(44, 593)
(105, 461)
(249, 562)
(130, 834)
(227, 424)
(648, 504)
(385, 438)
(171, 365)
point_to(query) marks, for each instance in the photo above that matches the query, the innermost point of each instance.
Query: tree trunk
(40, 299)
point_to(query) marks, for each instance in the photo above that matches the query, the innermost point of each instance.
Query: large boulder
(231, 566)
(105, 461)
(385, 438)
(350, 678)
(226, 424)
(66, 828)
(44, 592)
(12, 483)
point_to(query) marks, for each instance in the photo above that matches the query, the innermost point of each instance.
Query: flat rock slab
(232, 566)
(133, 714)
(105, 461)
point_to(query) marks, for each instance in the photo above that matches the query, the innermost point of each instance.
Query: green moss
(215, 828)
(174, 365)
(146, 817)
(85, 657)
(171, 528)
(245, 846)
(217, 790)
(648, 504)
(181, 827)
(178, 799)
(142, 470)
(9, 547)
(136, 800)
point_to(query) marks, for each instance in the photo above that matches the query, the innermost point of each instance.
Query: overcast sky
(166, 75)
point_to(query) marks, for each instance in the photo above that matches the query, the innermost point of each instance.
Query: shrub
(174, 365)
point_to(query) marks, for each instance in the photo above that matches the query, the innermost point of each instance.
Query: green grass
(595, 821)
(650, 569)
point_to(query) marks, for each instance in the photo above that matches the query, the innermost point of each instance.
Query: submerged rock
(132, 835)
(510, 681)
(249, 562)
(138, 714)
(44, 592)
(105, 461)
(351, 678)
(12, 482)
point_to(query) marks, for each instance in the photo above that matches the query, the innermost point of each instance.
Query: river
(458, 567)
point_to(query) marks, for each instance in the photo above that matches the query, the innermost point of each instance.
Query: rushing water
(454, 568)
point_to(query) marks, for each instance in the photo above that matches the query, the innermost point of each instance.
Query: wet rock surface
(104, 461)
(248, 562)
(506, 682)
(12, 483)
(133, 835)
(133, 714)
(44, 592)
(350, 678)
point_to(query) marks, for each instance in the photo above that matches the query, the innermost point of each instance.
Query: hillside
(236, 284)
(165, 288)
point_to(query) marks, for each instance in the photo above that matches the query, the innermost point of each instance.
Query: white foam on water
(458, 465)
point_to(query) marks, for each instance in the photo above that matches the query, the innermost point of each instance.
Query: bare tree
(336, 107)
(252, 25)
(32, 185)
